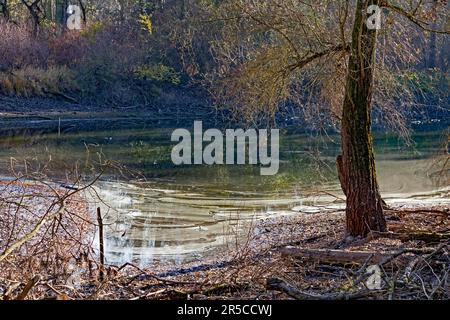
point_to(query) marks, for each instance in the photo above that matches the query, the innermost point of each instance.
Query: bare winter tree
(322, 53)
(36, 12)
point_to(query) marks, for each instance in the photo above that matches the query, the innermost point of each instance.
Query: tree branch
(411, 17)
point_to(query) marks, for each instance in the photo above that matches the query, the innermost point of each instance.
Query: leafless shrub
(18, 48)
(47, 225)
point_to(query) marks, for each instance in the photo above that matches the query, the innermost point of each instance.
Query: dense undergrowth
(98, 65)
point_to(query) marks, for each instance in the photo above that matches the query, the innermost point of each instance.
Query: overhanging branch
(302, 63)
(411, 17)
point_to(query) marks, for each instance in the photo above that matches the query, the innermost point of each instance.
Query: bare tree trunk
(64, 14)
(364, 211)
(83, 10)
(4, 9)
(35, 11)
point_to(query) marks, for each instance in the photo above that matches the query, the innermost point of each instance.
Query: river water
(156, 211)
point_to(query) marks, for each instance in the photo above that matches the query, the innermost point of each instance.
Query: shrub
(31, 81)
(159, 72)
(19, 49)
(105, 72)
(67, 49)
(100, 64)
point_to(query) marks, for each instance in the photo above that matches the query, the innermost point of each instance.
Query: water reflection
(181, 213)
(149, 223)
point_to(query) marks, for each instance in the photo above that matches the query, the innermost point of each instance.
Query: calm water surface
(182, 213)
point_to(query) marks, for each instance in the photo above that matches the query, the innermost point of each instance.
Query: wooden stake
(102, 248)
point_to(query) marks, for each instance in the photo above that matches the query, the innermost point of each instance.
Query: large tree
(274, 51)
(364, 211)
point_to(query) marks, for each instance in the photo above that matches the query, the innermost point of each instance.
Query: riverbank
(38, 116)
(290, 257)
(174, 108)
(296, 256)
(169, 107)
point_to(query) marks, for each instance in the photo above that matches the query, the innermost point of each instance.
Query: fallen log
(338, 256)
(404, 235)
(283, 286)
(331, 256)
(407, 235)
(444, 212)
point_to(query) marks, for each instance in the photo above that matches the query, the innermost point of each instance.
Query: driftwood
(406, 235)
(356, 257)
(324, 255)
(445, 212)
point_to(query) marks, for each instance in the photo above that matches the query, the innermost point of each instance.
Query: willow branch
(302, 63)
(411, 17)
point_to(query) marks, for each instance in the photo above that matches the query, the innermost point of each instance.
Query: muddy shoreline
(18, 115)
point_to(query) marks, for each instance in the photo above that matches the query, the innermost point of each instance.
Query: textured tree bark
(364, 211)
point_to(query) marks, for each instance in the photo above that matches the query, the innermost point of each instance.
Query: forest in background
(142, 53)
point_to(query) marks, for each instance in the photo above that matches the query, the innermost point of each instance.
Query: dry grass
(32, 81)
